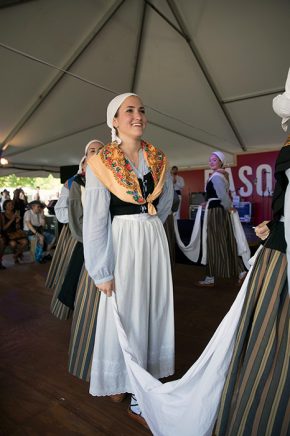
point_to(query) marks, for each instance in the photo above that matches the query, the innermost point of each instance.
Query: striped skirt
(83, 327)
(57, 308)
(222, 254)
(256, 392)
(58, 259)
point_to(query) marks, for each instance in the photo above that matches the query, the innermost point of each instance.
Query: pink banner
(252, 179)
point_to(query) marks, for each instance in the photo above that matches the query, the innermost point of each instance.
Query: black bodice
(120, 207)
(211, 193)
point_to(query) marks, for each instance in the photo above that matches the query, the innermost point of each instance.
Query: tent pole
(138, 50)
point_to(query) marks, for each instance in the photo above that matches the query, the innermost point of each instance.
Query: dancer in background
(128, 196)
(87, 297)
(58, 308)
(221, 247)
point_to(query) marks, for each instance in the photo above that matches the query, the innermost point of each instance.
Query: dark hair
(174, 167)
(6, 202)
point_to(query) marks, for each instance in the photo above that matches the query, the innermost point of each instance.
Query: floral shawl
(113, 169)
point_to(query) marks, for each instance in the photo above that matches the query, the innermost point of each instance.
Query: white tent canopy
(207, 71)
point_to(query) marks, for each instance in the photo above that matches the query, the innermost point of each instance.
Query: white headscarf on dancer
(91, 142)
(220, 155)
(80, 170)
(281, 104)
(112, 109)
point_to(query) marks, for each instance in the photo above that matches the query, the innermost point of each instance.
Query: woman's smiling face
(131, 119)
(214, 162)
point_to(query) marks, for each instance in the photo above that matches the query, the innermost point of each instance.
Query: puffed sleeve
(97, 233)
(61, 206)
(166, 199)
(220, 186)
(75, 212)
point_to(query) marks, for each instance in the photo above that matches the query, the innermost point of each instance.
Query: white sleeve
(220, 187)
(179, 185)
(61, 206)
(166, 199)
(97, 233)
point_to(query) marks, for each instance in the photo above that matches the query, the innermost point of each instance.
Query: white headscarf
(281, 104)
(81, 164)
(91, 142)
(220, 155)
(112, 109)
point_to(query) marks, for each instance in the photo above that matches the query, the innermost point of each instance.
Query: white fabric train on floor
(192, 250)
(187, 406)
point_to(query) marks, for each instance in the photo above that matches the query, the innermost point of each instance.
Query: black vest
(120, 207)
(211, 193)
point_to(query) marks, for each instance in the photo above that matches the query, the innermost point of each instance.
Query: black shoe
(48, 257)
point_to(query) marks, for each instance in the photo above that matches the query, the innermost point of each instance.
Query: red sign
(252, 179)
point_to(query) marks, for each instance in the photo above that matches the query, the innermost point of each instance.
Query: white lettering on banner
(263, 180)
(264, 174)
(242, 191)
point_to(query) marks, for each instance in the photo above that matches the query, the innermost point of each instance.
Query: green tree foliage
(13, 181)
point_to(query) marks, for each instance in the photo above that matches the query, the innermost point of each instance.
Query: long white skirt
(188, 406)
(144, 298)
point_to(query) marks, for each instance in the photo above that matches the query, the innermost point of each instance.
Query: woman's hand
(262, 231)
(107, 288)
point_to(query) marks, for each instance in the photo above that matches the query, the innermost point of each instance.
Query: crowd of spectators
(21, 223)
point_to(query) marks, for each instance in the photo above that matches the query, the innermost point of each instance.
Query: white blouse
(97, 233)
(61, 206)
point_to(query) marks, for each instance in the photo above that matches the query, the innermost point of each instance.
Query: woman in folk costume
(71, 249)
(129, 194)
(221, 247)
(87, 296)
(240, 384)
(255, 399)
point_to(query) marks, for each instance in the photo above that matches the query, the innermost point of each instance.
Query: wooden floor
(38, 396)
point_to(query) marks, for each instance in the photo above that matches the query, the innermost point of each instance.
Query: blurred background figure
(36, 195)
(12, 234)
(5, 195)
(20, 204)
(178, 183)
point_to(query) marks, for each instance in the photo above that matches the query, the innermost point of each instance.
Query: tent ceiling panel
(244, 44)
(183, 90)
(80, 104)
(65, 151)
(259, 126)
(51, 29)
(48, 117)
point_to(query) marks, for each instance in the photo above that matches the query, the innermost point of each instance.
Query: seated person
(34, 225)
(12, 235)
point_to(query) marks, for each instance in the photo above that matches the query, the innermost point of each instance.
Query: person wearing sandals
(129, 194)
(222, 254)
(12, 233)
